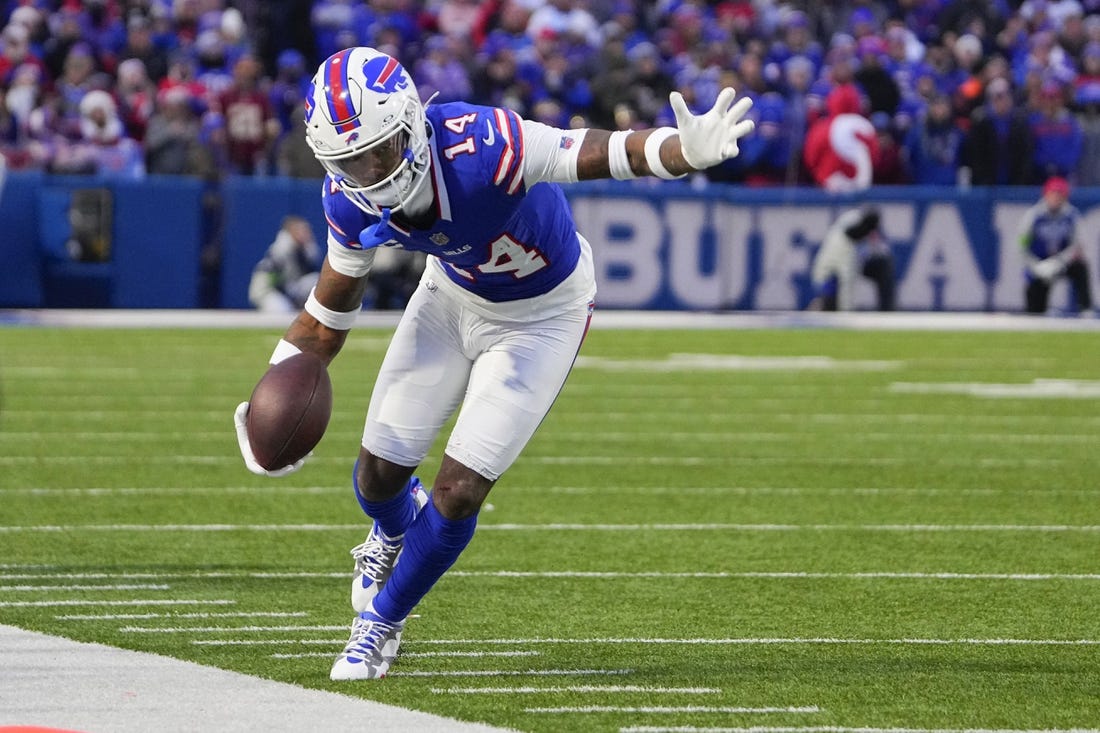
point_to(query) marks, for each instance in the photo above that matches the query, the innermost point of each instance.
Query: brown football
(289, 410)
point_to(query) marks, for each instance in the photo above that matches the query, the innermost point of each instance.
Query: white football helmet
(365, 124)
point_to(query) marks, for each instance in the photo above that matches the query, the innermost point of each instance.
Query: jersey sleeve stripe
(508, 156)
(517, 177)
(332, 225)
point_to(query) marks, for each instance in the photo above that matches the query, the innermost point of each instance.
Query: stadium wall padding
(658, 245)
(253, 211)
(156, 227)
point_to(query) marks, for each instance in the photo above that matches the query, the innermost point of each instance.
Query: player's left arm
(696, 143)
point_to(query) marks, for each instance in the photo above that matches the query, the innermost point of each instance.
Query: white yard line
(732, 710)
(757, 641)
(512, 673)
(415, 655)
(339, 643)
(194, 574)
(579, 490)
(609, 460)
(762, 641)
(176, 490)
(572, 689)
(805, 491)
(507, 527)
(729, 710)
(72, 587)
(147, 616)
(572, 527)
(222, 629)
(130, 602)
(691, 418)
(583, 574)
(779, 575)
(701, 436)
(837, 729)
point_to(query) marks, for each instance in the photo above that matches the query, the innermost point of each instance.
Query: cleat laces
(368, 637)
(375, 558)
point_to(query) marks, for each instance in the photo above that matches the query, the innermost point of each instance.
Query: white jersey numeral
(508, 255)
(457, 125)
(466, 147)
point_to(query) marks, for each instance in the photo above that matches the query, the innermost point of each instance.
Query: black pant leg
(880, 269)
(1037, 293)
(1078, 274)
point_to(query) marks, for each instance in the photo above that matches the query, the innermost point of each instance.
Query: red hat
(1057, 184)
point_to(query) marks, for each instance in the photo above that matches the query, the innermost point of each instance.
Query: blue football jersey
(495, 237)
(1052, 232)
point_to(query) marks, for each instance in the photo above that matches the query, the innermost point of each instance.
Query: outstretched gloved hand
(708, 139)
(240, 419)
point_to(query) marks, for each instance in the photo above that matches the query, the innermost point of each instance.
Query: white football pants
(504, 363)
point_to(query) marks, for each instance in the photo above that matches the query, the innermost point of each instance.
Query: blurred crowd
(969, 92)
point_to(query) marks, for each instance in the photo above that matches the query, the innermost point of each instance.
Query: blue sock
(394, 515)
(432, 545)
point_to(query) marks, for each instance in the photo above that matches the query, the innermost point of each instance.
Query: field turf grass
(697, 538)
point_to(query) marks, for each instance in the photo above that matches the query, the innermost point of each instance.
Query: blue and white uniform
(505, 298)
(1045, 233)
(493, 236)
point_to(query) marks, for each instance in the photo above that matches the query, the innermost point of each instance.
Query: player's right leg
(433, 542)
(377, 556)
(420, 384)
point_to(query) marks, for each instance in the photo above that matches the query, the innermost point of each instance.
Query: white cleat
(376, 558)
(370, 650)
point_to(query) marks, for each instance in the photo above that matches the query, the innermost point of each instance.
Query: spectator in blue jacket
(1058, 136)
(1000, 146)
(932, 145)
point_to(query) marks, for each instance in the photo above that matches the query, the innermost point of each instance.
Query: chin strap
(377, 234)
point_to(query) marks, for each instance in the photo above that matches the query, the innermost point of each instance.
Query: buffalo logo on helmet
(384, 74)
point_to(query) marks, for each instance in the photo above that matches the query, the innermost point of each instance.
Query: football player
(498, 318)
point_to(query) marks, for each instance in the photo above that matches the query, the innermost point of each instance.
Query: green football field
(713, 530)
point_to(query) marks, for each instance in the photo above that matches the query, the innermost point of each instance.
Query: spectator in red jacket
(250, 124)
(840, 149)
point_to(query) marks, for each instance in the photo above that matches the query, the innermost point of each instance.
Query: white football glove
(1047, 269)
(708, 139)
(240, 418)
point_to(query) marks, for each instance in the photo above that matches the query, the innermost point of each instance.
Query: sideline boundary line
(610, 319)
(96, 687)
